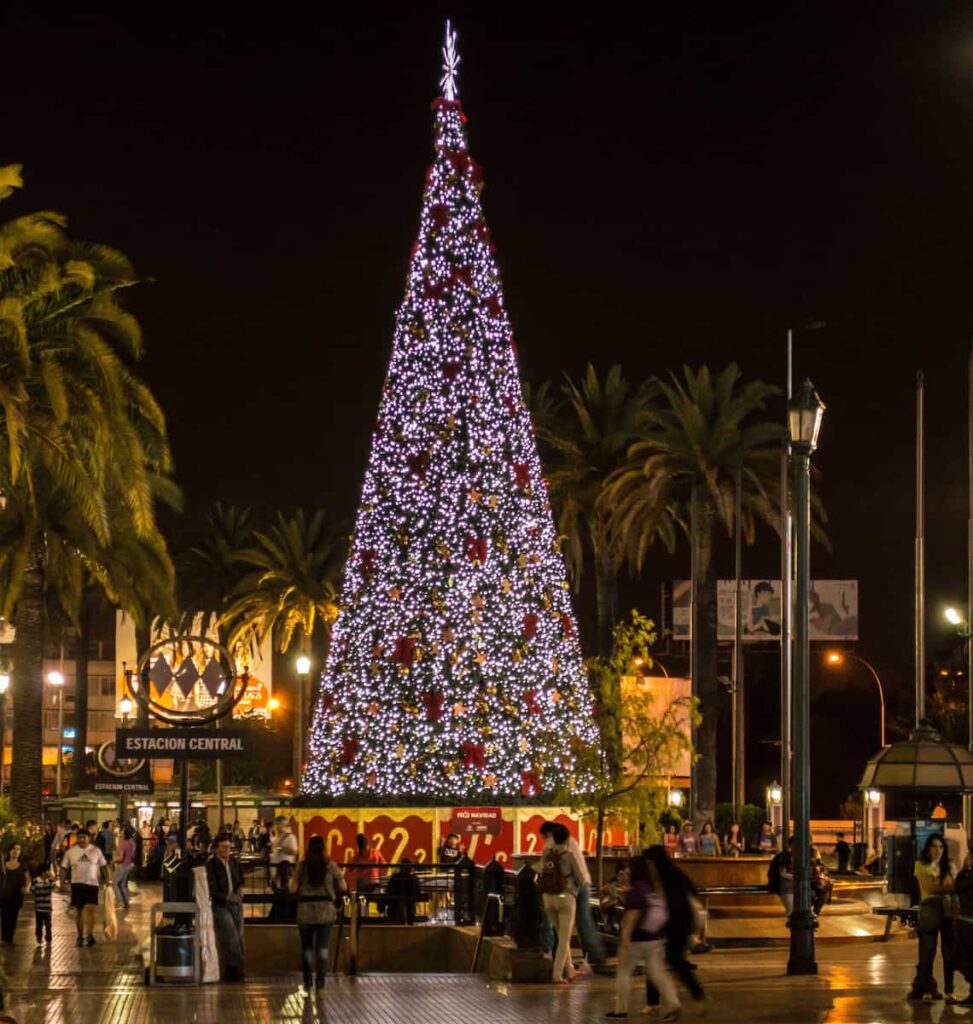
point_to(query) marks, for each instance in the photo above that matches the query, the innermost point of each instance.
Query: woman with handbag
(318, 882)
(934, 875)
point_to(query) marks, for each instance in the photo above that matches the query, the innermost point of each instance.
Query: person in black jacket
(679, 891)
(226, 894)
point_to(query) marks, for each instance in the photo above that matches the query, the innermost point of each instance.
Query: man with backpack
(558, 884)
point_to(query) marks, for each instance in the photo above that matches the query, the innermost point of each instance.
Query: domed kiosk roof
(922, 763)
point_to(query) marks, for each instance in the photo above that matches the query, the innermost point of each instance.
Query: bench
(906, 915)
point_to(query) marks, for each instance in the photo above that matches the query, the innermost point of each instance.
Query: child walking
(41, 887)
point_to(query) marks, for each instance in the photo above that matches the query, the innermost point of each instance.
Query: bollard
(526, 909)
(464, 892)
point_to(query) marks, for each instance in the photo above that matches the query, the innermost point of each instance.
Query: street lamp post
(303, 671)
(4, 686)
(56, 679)
(804, 413)
(125, 706)
(837, 658)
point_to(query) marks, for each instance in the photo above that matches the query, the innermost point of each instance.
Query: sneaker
(90, 940)
(670, 1018)
(79, 941)
(950, 999)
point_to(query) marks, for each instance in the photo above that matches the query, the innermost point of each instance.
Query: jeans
(560, 909)
(119, 883)
(653, 955)
(311, 933)
(42, 926)
(228, 925)
(590, 936)
(924, 981)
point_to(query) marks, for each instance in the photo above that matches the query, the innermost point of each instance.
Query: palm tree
(582, 445)
(291, 584)
(83, 450)
(682, 472)
(210, 568)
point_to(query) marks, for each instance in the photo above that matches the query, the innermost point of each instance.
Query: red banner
(468, 821)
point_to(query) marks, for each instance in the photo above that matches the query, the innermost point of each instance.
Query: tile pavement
(858, 983)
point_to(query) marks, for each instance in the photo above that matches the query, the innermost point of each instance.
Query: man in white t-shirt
(283, 851)
(87, 869)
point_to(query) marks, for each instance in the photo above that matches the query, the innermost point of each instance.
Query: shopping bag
(111, 916)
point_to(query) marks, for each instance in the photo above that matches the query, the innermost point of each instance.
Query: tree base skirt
(417, 833)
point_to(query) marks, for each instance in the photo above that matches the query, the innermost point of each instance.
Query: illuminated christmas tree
(455, 671)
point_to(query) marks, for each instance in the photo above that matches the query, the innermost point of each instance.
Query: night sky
(666, 183)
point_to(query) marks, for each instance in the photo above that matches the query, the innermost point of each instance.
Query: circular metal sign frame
(224, 704)
(115, 772)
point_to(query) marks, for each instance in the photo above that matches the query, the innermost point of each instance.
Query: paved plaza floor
(859, 983)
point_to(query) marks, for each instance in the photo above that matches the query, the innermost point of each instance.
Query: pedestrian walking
(934, 875)
(682, 902)
(226, 894)
(591, 940)
(85, 865)
(16, 882)
(318, 883)
(643, 940)
(124, 862)
(843, 853)
(558, 885)
(963, 925)
(42, 887)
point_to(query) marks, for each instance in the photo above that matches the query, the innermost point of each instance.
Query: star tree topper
(450, 64)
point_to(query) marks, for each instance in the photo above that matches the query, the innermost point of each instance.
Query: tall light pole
(56, 679)
(125, 706)
(837, 658)
(804, 413)
(303, 664)
(4, 686)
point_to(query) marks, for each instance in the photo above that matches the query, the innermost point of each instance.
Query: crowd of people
(687, 842)
(650, 904)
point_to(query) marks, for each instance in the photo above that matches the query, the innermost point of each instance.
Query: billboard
(833, 608)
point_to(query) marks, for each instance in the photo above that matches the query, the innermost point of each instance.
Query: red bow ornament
(433, 703)
(367, 560)
(439, 215)
(493, 306)
(530, 784)
(567, 626)
(476, 550)
(521, 474)
(530, 625)
(474, 755)
(349, 751)
(405, 651)
(533, 707)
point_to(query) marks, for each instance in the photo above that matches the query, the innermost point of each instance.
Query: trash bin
(175, 952)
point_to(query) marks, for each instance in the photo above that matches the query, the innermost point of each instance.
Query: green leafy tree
(83, 453)
(682, 471)
(639, 743)
(583, 440)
